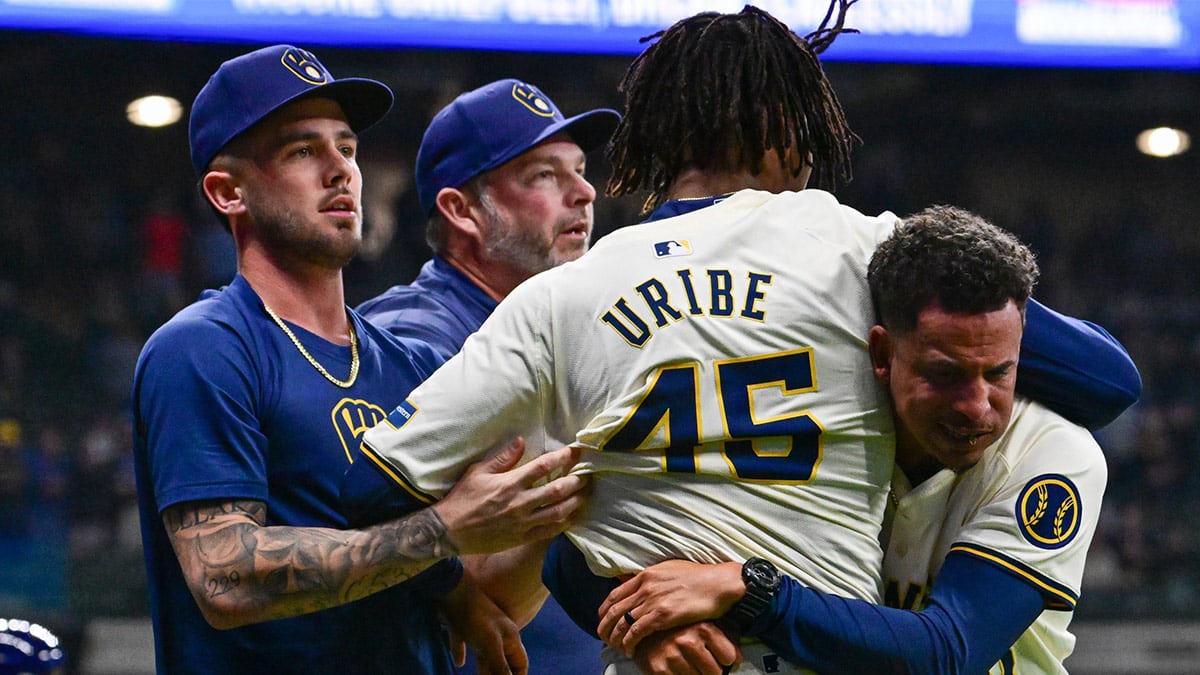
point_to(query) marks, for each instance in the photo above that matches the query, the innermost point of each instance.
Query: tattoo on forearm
(275, 572)
(419, 536)
(222, 585)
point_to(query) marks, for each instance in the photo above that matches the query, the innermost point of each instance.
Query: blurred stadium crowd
(104, 239)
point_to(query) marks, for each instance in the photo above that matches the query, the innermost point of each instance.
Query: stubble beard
(521, 247)
(290, 234)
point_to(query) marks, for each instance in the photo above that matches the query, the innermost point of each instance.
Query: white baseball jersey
(713, 365)
(1030, 505)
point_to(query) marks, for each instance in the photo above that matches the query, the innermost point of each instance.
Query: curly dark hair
(952, 256)
(717, 91)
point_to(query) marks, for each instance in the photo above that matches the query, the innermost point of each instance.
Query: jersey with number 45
(714, 366)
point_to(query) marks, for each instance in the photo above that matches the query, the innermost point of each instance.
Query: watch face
(760, 573)
(762, 580)
(757, 574)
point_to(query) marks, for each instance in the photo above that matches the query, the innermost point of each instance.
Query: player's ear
(879, 344)
(222, 191)
(459, 210)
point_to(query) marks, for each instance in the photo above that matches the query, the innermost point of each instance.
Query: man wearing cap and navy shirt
(500, 177)
(249, 402)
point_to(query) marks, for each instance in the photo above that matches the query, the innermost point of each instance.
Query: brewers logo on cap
(305, 66)
(1048, 511)
(528, 96)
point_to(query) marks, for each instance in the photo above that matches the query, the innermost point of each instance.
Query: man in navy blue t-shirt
(249, 403)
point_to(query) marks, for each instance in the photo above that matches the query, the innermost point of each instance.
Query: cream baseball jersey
(1030, 506)
(714, 367)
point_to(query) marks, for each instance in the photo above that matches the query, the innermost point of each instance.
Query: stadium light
(154, 111)
(1163, 142)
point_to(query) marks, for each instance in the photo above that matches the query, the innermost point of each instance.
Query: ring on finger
(629, 618)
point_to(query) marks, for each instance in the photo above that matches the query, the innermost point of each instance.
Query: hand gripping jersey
(1030, 507)
(714, 366)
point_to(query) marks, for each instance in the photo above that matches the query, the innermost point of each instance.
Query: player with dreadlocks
(722, 94)
(712, 361)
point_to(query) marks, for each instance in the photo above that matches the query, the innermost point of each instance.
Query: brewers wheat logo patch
(1048, 511)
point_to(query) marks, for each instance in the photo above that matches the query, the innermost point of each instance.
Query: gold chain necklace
(321, 369)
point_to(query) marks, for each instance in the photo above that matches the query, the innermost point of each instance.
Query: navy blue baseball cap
(488, 126)
(249, 87)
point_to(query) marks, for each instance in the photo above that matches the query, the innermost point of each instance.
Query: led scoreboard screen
(1067, 33)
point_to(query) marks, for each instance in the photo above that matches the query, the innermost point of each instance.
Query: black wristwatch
(762, 581)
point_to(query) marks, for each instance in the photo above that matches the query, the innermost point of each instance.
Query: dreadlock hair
(717, 91)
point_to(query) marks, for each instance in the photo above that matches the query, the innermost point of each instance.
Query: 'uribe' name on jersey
(712, 292)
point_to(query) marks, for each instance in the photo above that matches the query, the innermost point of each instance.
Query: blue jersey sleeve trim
(395, 476)
(370, 494)
(396, 420)
(1057, 596)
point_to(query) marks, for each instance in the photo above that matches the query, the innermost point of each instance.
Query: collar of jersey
(678, 207)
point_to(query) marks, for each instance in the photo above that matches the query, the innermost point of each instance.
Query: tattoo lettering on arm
(213, 533)
(242, 571)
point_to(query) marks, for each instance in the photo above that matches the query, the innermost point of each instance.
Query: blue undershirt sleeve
(975, 613)
(1075, 368)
